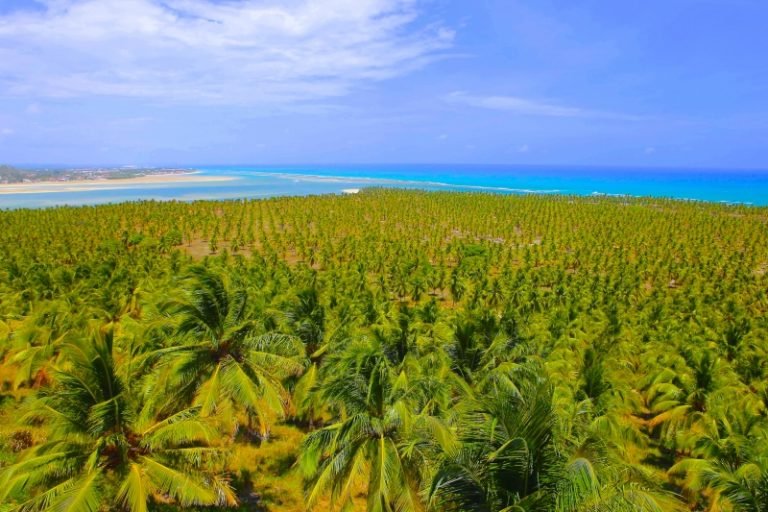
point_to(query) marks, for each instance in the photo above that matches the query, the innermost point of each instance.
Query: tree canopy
(385, 351)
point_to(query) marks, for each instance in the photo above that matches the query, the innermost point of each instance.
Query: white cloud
(524, 106)
(200, 51)
(4, 132)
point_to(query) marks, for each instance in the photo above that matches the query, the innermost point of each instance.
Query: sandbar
(46, 187)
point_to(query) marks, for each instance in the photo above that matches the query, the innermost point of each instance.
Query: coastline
(259, 182)
(47, 187)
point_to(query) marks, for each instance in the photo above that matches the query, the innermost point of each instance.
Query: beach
(47, 187)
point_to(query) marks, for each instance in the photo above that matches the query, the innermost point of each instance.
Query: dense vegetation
(386, 351)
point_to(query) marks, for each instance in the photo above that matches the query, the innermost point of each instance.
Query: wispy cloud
(530, 107)
(202, 51)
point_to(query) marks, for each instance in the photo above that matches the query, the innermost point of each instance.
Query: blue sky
(680, 83)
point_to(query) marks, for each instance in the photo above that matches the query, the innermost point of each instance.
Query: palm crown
(100, 450)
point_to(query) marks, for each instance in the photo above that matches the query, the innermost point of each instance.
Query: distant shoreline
(87, 185)
(99, 185)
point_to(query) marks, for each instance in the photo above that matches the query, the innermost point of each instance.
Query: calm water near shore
(750, 187)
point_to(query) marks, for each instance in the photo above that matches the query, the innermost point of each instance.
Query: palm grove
(410, 350)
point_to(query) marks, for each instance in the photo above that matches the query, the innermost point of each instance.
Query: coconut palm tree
(510, 460)
(221, 364)
(306, 318)
(507, 457)
(34, 348)
(99, 451)
(380, 440)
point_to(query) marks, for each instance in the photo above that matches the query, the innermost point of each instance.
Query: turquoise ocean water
(747, 187)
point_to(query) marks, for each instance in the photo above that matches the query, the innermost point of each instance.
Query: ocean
(738, 187)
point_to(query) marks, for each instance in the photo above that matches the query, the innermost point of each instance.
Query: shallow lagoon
(750, 187)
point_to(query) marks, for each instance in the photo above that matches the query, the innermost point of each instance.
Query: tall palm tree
(379, 441)
(100, 451)
(724, 485)
(730, 463)
(507, 457)
(222, 364)
(510, 460)
(746, 487)
(306, 318)
(34, 348)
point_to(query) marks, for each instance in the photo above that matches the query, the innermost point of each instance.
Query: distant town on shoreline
(14, 175)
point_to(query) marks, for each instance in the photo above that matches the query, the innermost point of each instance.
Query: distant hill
(10, 174)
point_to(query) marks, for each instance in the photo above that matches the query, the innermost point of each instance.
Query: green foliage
(100, 451)
(420, 351)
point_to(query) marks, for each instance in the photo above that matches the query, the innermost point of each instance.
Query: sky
(658, 83)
